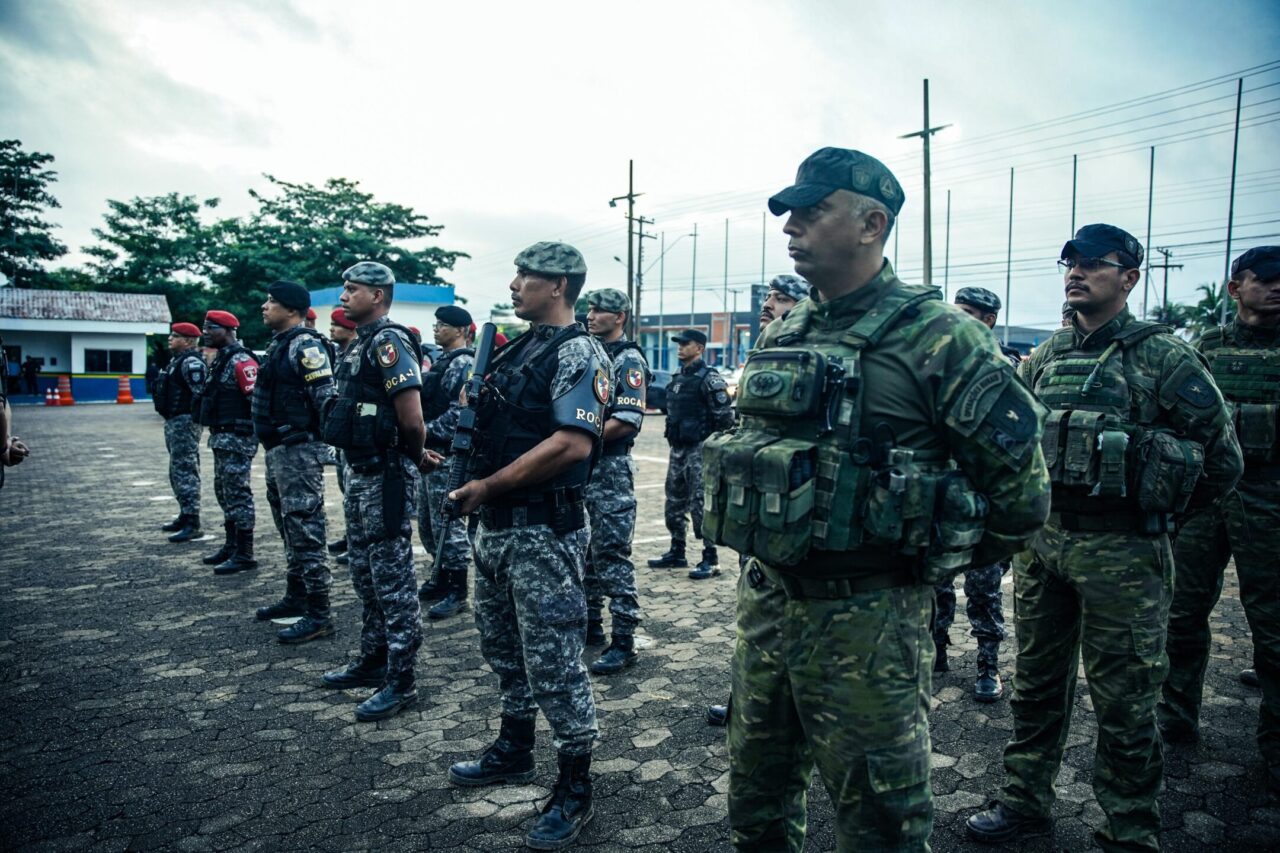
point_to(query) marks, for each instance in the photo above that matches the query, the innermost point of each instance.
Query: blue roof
(427, 294)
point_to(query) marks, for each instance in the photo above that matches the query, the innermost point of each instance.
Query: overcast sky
(513, 122)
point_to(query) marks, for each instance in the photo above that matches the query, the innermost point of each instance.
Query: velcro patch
(1196, 391)
(600, 385)
(312, 357)
(635, 377)
(968, 408)
(388, 355)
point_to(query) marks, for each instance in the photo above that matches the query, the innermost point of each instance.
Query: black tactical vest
(688, 415)
(221, 406)
(173, 395)
(282, 412)
(370, 425)
(436, 397)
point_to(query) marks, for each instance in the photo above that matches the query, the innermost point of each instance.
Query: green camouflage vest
(1249, 378)
(802, 474)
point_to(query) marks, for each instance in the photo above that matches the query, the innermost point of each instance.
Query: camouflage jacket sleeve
(993, 425)
(244, 367)
(440, 429)
(195, 373)
(580, 387)
(715, 393)
(310, 358)
(397, 360)
(630, 384)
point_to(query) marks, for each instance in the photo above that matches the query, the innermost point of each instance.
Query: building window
(108, 361)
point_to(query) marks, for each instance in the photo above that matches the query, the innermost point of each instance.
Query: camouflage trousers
(1103, 596)
(295, 491)
(1245, 526)
(611, 502)
(532, 615)
(232, 464)
(381, 562)
(182, 440)
(983, 605)
(843, 683)
(340, 467)
(431, 522)
(684, 491)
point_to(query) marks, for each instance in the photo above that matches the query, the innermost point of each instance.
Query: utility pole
(725, 297)
(1075, 159)
(1151, 194)
(641, 222)
(925, 133)
(1231, 208)
(660, 354)
(1008, 264)
(946, 252)
(630, 198)
(693, 281)
(1166, 266)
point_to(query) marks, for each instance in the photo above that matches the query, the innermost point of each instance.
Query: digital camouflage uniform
(381, 559)
(1245, 526)
(456, 370)
(181, 433)
(706, 407)
(1091, 585)
(233, 451)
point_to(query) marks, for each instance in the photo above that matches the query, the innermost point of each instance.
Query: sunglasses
(1088, 264)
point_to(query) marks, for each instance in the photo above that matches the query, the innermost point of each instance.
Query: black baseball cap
(829, 169)
(1262, 261)
(1096, 241)
(688, 335)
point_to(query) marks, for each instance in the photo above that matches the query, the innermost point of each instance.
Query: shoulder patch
(635, 378)
(1196, 391)
(388, 355)
(600, 385)
(312, 357)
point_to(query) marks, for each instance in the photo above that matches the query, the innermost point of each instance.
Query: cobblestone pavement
(144, 708)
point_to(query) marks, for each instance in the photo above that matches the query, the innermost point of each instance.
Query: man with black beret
(176, 386)
(1137, 434)
(295, 384)
(1244, 356)
(698, 404)
(441, 385)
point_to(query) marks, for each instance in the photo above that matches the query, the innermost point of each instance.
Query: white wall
(47, 345)
(80, 341)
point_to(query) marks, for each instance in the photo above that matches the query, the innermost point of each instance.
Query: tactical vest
(221, 406)
(514, 414)
(613, 349)
(688, 415)
(282, 412)
(803, 482)
(362, 420)
(435, 397)
(1249, 379)
(173, 395)
(1102, 455)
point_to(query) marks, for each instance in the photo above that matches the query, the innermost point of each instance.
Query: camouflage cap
(980, 298)
(609, 299)
(550, 258)
(791, 286)
(370, 273)
(829, 169)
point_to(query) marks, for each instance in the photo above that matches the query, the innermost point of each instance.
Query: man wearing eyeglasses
(1136, 417)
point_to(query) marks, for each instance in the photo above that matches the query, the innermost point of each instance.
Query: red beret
(339, 318)
(473, 328)
(223, 318)
(311, 313)
(499, 339)
(416, 330)
(186, 330)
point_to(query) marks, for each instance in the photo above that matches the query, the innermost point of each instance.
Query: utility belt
(827, 589)
(620, 448)
(290, 438)
(371, 464)
(245, 430)
(563, 510)
(1142, 523)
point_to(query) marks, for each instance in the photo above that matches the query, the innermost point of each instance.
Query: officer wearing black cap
(1244, 356)
(295, 383)
(1137, 434)
(698, 404)
(984, 306)
(441, 385)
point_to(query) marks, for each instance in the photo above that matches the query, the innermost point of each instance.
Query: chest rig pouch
(361, 420)
(798, 479)
(1249, 379)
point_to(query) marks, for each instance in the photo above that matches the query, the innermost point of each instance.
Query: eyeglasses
(1088, 264)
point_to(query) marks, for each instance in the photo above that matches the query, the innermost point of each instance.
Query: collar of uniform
(838, 311)
(545, 331)
(692, 366)
(373, 328)
(1255, 335)
(1100, 337)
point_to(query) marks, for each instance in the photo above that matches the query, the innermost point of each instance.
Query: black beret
(290, 294)
(452, 315)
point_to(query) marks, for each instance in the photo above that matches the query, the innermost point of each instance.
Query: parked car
(657, 398)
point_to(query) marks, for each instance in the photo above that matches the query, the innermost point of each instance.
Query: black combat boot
(710, 565)
(988, 687)
(242, 560)
(717, 715)
(673, 559)
(455, 598)
(1249, 678)
(176, 524)
(364, 671)
(595, 632)
(343, 559)
(189, 530)
(294, 602)
(620, 655)
(940, 643)
(510, 759)
(313, 625)
(999, 823)
(228, 546)
(338, 546)
(396, 695)
(569, 810)
(433, 588)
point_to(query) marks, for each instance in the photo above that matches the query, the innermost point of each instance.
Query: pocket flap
(897, 767)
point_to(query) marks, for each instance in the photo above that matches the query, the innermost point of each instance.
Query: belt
(619, 449)
(370, 465)
(562, 518)
(835, 588)
(1148, 523)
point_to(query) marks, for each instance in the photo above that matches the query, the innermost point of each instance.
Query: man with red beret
(223, 407)
(176, 385)
(342, 334)
(311, 318)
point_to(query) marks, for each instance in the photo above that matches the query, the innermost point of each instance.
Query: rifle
(463, 443)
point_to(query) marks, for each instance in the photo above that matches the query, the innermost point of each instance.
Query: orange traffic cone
(50, 399)
(123, 393)
(64, 391)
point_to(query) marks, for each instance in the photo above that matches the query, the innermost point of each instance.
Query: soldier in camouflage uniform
(983, 600)
(294, 386)
(176, 386)
(343, 334)
(223, 407)
(1134, 416)
(539, 425)
(870, 400)
(441, 388)
(1244, 357)
(698, 404)
(376, 420)
(611, 495)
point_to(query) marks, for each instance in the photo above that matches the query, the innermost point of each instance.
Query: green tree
(26, 239)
